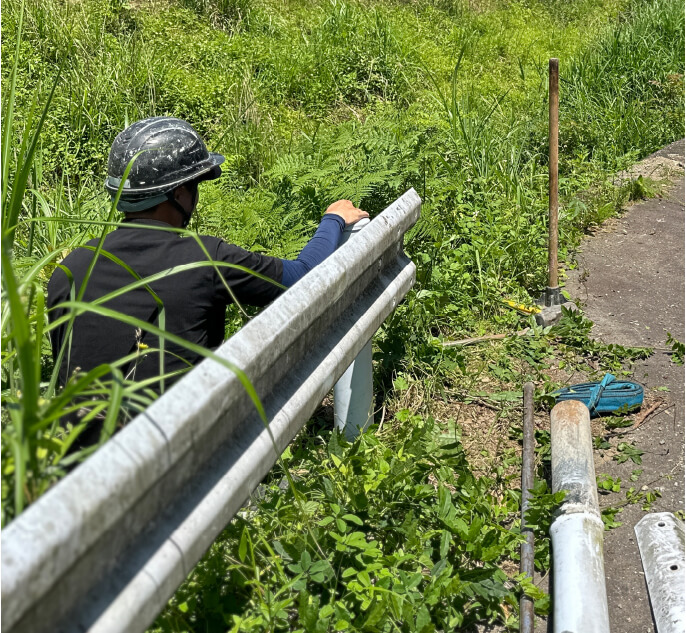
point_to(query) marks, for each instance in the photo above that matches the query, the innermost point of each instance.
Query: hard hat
(168, 152)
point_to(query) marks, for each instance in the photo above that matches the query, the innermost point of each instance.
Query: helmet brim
(214, 171)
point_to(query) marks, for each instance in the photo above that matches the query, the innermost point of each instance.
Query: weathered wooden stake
(554, 103)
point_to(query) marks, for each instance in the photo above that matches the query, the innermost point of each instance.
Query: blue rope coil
(607, 396)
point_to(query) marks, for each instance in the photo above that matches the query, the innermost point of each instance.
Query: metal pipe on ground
(579, 596)
(353, 396)
(526, 604)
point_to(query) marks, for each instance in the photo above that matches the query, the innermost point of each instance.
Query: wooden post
(554, 101)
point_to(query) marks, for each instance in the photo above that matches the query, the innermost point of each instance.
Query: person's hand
(347, 210)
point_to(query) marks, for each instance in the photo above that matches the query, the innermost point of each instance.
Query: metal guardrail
(107, 547)
(660, 538)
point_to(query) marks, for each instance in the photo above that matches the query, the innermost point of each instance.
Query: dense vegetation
(310, 101)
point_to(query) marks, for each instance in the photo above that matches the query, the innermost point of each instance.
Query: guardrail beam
(107, 546)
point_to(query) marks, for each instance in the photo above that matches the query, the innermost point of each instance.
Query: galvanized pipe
(579, 597)
(526, 566)
(353, 397)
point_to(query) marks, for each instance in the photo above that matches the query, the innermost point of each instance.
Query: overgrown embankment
(312, 101)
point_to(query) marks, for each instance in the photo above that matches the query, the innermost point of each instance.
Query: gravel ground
(630, 279)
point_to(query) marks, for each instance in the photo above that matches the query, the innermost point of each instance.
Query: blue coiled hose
(607, 396)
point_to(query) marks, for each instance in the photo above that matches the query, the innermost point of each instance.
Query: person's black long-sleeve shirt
(194, 300)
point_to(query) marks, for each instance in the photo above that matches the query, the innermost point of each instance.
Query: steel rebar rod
(526, 604)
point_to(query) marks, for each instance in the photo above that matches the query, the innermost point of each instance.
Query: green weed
(627, 451)
(607, 484)
(404, 534)
(677, 348)
(313, 101)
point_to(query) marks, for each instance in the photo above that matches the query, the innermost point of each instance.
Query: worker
(160, 193)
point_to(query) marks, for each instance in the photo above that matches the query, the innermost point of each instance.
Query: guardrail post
(579, 597)
(353, 397)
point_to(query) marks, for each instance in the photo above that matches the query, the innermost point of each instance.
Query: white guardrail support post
(105, 549)
(353, 395)
(579, 596)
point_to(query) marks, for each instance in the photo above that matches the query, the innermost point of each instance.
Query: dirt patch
(485, 432)
(630, 278)
(665, 165)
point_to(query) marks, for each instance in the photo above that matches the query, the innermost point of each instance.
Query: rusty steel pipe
(554, 107)
(526, 565)
(579, 597)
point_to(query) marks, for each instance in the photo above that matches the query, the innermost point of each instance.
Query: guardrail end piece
(660, 538)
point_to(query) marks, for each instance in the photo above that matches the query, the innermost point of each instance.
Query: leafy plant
(573, 331)
(618, 421)
(608, 484)
(645, 497)
(609, 515)
(400, 531)
(627, 451)
(539, 517)
(641, 188)
(677, 348)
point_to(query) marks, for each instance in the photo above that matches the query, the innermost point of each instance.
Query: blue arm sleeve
(323, 243)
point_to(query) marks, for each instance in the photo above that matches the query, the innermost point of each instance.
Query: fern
(360, 188)
(289, 165)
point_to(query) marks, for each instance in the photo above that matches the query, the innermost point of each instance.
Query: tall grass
(271, 99)
(325, 100)
(229, 14)
(613, 93)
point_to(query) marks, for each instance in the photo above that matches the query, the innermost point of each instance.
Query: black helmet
(170, 153)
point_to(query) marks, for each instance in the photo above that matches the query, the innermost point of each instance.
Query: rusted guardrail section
(107, 547)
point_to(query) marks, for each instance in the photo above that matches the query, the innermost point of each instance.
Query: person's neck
(163, 212)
